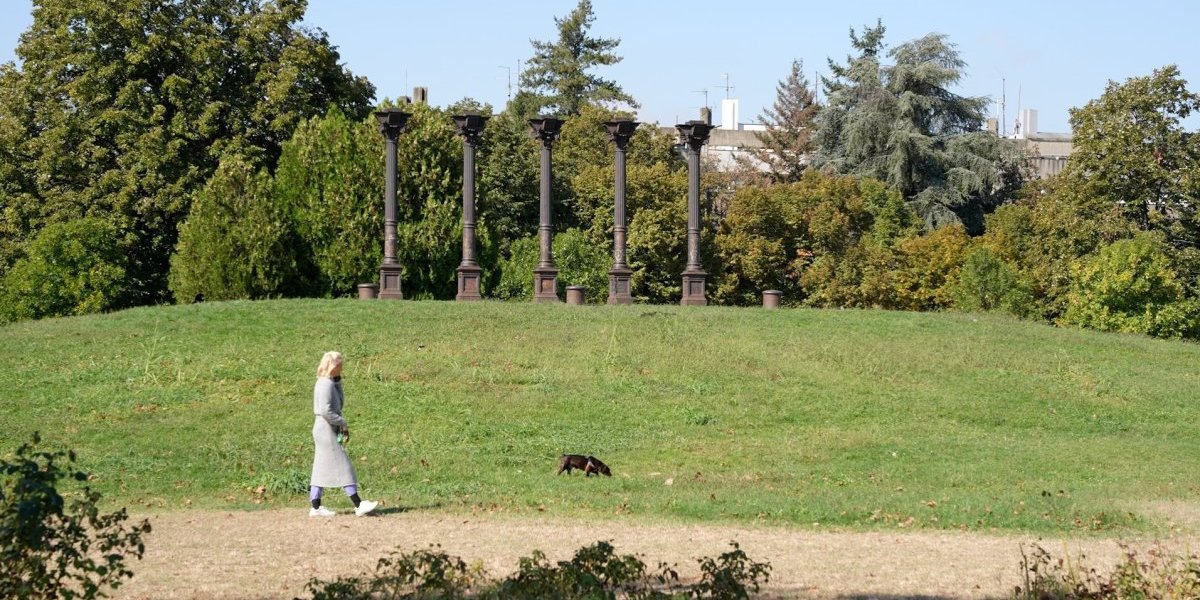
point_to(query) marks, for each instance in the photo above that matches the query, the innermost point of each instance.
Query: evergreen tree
(789, 140)
(237, 241)
(901, 123)
(330, 180)
(557, 76)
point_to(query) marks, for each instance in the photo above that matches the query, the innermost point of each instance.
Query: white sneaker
(320, 512)
(365, 507)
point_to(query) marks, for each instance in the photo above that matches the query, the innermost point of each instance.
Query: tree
(429, 204)
(1133, 152)
(330, 181)
(123, 108)
(1044, 235)
(508, 179)
(902, 124)
(237, 241)
(788, 141)
(73, 268)
(557, 76)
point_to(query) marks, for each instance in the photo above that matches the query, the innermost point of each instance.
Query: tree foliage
(789, 139)
(429, 204)
(123, 108)
(814, 240)
(1133, 152)
(238, 241)
(901, 123)
(57, 544)
(558, 77)
(72, 268)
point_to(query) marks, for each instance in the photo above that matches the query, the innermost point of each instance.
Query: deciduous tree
(123, 108)
(1132, 151)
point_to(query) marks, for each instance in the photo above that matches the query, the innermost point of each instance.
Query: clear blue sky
(1057, 54)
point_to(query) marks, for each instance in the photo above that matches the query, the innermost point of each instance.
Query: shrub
(579, 262)
(330, 180)
(72, 268)
(595, 572)
(1161, 574)
(930, 266)
(1130, 287)
(53, 546)
(988, 283)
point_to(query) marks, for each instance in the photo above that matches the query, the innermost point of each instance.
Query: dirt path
(272, 554)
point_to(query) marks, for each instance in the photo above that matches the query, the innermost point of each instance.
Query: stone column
(618, 278)
(545, 276)
(694, 134)
(470, 127)
(391, 123)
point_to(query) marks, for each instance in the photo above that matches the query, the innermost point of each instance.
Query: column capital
(620, 131)
(391, 122)
(470, 126)
(694, 133)
(546, 129)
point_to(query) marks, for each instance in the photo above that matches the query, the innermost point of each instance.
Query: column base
(545, 285)
(389, 282)
(619, 285)
(693, 288)
(468, 283)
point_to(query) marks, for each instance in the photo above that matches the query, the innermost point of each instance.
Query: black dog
(587, 464)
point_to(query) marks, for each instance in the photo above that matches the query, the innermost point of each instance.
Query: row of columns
(545, 276)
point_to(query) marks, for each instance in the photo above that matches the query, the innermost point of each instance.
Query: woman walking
(331, 464)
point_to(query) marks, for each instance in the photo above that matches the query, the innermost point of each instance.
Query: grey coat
(331, 465)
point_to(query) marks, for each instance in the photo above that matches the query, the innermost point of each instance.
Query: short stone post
(575, 295)
(771, 298)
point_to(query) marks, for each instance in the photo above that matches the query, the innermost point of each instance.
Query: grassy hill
(842, 418)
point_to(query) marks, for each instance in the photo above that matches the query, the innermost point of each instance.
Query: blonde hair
(328, 363)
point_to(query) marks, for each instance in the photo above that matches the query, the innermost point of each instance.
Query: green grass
(858, 419)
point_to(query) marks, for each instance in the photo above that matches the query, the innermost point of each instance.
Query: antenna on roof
(1003, 117)
(509, 69)
(728, 88)
(705, 92)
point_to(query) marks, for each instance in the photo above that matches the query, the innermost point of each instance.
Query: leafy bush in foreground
(56, 547)
(595, 572)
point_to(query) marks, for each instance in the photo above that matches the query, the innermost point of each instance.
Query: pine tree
(557, 75)
(789, 141)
